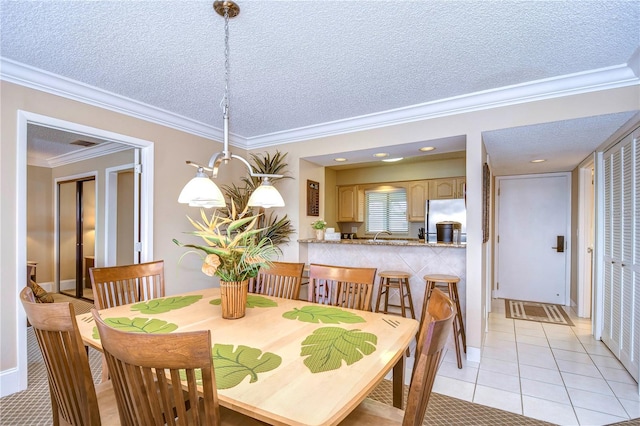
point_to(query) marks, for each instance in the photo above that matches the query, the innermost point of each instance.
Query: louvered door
(621, 295)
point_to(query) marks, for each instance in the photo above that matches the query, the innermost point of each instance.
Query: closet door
(621, 252)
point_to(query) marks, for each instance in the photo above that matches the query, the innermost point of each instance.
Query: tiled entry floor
(555, 373)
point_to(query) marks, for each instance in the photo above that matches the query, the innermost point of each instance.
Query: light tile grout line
(564, 384)
(577, 322)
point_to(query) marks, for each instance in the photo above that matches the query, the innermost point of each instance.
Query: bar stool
(395, 280)
(448, 283)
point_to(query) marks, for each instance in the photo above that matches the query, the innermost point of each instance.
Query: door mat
(534, 311)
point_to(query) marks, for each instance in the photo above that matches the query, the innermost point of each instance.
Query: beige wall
(40, 221)
(172, 147)
(403, 172)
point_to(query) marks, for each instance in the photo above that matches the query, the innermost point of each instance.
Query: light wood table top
(287, 361)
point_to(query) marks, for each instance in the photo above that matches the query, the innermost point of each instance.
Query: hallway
(555, 373)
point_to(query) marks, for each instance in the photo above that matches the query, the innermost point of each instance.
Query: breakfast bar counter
(413, 256)
(384, 242)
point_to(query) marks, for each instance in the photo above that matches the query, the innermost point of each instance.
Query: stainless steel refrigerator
(445, 210)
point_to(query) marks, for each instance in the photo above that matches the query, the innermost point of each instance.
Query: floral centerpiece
(232, 251)
(319, 225)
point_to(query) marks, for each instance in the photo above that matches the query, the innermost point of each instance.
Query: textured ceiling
(304, 63)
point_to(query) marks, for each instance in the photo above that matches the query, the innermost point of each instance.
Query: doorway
(122, 219)
(532, 244)
(76, 235)
(146, 162)
(585, 239)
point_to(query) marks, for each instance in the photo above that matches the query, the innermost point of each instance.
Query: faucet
(375, 238)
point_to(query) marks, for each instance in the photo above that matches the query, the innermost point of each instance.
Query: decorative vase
(233, 297)
(319, 234)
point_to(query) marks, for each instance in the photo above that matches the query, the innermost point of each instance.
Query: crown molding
(86, 154)
(80, 155)
(571, 84)
(35, 78)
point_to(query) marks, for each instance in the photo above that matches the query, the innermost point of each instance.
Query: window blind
(387, 211)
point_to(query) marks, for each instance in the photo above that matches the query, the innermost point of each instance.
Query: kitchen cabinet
(418, 194)
(442, 189)
(350, 204)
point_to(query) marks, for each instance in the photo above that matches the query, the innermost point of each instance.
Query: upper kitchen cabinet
(442, 189)
(350, 204)
(418, 194)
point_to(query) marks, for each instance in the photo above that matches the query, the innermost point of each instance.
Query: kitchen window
(386, 210)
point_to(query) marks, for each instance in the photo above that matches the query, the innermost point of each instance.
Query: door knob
(559, 244)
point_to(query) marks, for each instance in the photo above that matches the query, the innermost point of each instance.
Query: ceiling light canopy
(392, 160)
(201, 191)
(427, 148)
(380, 155)
(539, 160)
(340, 159)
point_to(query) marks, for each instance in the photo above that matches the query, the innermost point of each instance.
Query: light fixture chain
(225, 100)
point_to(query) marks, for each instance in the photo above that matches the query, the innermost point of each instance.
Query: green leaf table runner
(327, 347)
(165, 304)
(138, 325)
(233, 366)
(323, 314)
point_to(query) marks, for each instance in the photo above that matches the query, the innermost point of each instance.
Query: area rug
(533, 311)
(446, 411)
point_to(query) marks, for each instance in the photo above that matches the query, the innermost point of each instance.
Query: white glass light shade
(201, 192)
(266, 195)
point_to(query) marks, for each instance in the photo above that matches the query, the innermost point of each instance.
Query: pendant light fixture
(201, 191)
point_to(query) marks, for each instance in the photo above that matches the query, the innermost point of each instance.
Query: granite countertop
(383, 242)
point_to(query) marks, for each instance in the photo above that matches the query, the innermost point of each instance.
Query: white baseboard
(474, 354)
(68, 285)
(10, 382)
(49, 287)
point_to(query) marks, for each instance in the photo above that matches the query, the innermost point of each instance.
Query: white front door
(532, 237)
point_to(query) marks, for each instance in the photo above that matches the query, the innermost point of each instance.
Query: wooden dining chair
(146, 368)
(281, 279)
(75, 400)
(121, 285)
(343, 286)
(433, 337)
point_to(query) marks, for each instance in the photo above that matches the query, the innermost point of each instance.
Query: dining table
(286, 362)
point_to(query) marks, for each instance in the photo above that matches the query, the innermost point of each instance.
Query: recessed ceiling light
(392, 160)
(380, 154)
(427, 148)
(340, 159)
(539, 160)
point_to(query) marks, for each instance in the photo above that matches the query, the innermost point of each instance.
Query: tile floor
(554, 373)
